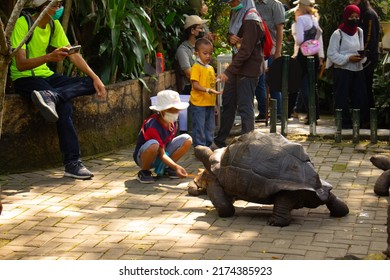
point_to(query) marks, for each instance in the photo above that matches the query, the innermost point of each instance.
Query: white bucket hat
(167, 99)
(305, 2)
(38, 3)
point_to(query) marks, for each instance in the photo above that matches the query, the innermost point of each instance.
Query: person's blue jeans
(170, 148)
(238, 94)
(203, 125)
(261, 95)
(65, 89)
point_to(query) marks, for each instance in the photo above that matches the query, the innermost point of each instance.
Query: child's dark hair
(202, 41)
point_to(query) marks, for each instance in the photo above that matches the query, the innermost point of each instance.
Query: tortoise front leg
(382, 184)
(336, 206)
(221, 201)
(283, 204)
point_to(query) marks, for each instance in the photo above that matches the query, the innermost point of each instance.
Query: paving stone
(113, 216)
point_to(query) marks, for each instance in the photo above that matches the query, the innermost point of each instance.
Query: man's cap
(167, 99)
(193, 20)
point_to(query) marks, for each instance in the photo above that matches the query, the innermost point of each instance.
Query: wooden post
(272, 123)
(339, 117)
(355, 125)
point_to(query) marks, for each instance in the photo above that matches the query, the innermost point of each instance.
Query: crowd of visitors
(352, 53)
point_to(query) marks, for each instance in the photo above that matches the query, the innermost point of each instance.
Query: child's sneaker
(169, 172)
(145, 177)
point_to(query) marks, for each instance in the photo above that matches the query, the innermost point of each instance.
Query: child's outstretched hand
(215, 91)
(181, 172)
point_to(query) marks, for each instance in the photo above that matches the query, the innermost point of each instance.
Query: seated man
(52, 93)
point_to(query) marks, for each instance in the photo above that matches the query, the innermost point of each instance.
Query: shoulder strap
(253, 10)
(27, 15)
(341, 37)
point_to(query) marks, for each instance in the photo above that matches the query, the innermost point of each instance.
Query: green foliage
(381, 91)
(166, 21)
(218, 17)
(121, 37)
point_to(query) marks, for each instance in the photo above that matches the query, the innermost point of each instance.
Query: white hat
(167, 99)
(193, 20)
(305, 2)
(38, 3)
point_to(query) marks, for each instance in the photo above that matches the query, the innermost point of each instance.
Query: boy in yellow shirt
(203, 94)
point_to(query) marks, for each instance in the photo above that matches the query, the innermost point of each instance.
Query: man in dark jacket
(246, 33)
(369, 22)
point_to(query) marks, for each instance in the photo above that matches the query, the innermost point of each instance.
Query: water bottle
(159, 63)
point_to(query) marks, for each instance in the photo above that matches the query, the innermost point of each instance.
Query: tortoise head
(203, 153)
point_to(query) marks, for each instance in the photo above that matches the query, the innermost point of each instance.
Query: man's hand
(234, 39)
(100, 88)
(223, 77)
(57, 55)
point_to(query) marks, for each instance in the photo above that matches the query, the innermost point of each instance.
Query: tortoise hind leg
(336, 206)
(221, 201)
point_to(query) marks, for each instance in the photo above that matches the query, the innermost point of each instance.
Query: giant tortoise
(266, 169)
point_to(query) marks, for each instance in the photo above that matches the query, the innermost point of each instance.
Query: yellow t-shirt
(205, 76)
(37, 46)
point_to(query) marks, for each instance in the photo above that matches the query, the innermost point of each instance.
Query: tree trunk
(5, 47)
(3, 79)
(65, 23)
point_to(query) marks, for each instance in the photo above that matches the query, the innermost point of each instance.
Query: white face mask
(171, 117)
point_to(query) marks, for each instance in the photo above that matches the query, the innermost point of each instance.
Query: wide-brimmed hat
(305, 2)
(193, 20)
(38, 3)
(167, 99)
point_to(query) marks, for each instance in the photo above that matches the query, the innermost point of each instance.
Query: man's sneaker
(169, 172)
(214, 146)
(77, 170)
(145, 177)
(45, 101)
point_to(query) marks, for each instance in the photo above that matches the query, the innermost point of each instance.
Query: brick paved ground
(47, 216)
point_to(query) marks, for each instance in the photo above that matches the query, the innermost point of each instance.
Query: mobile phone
(362, 53)
(74, 49)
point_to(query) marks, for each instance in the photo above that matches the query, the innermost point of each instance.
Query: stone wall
(29, 143)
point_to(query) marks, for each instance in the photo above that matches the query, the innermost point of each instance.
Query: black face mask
(200, 35)
(353, 22)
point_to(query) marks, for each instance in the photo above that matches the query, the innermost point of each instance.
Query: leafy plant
(167, 21)
(122, 37)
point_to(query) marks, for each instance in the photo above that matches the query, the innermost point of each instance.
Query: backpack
(27, 14)
(266, 41)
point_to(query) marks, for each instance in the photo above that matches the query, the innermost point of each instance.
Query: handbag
(310, 47)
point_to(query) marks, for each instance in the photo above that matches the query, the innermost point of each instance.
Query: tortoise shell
(255, 166)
